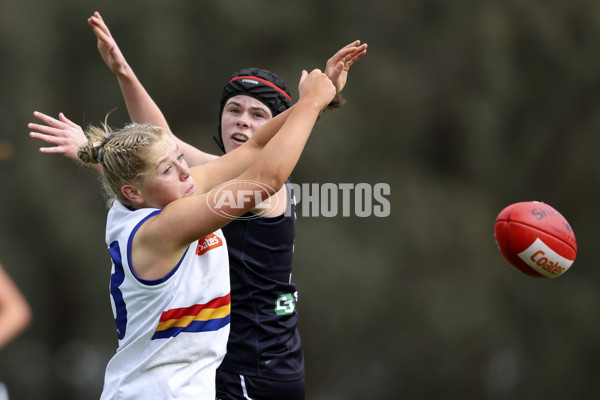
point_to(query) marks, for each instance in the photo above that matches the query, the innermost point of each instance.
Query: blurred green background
(461, 107)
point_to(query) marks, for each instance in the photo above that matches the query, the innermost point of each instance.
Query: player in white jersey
(169, 282)
(177, 356)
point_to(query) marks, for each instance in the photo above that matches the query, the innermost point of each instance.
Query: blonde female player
(170, 283)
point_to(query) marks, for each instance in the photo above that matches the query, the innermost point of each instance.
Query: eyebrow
(235, 103)
(164, 158)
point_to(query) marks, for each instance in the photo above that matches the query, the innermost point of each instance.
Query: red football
(535, 239)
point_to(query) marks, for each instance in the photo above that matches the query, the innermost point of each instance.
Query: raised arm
(140, 105)
(66, 137)
(336, 69)
(189, 218)
(265, 174)
(281, 153)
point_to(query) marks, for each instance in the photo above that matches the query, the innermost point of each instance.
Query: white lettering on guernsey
(545, 260)
(207, 243)
(250, 81)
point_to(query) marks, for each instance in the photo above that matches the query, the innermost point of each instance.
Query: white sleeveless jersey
(172, 331)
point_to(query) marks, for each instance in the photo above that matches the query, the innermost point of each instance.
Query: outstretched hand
(66, 135)
(338, 65)
(107, 46)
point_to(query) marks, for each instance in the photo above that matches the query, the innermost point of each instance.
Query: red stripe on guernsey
(194, 310)
(254, 78)
(208, 317)
(207, 243)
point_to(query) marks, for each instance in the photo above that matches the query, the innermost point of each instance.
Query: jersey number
(116, 280)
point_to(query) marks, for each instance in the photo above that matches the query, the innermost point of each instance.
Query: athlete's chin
(229, 147)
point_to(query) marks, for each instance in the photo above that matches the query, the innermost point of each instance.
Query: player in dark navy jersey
(264, 357)
(264, 353)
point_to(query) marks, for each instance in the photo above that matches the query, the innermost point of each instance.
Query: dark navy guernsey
(264, 340)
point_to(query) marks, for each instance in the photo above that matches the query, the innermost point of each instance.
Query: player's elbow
(267, 181)
(270, 181)
(273, 182)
